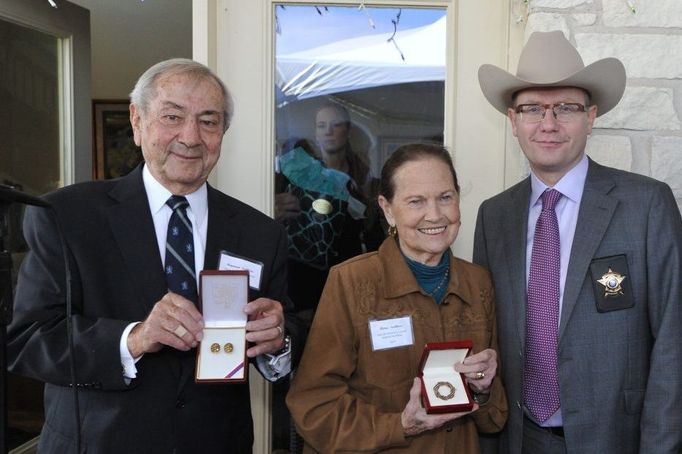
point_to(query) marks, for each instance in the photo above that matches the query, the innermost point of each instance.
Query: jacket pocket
(387, 368)
(634, 401)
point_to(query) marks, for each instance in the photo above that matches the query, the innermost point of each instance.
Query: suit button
(180, 404)
(445, 302)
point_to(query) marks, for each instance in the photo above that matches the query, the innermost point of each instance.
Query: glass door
(45, 88)
(352, 84)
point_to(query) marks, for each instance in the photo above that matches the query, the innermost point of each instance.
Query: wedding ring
(228, 348)
(479, 376)
(215, 347)
(281, 331)
(180, 331)
(449, 388)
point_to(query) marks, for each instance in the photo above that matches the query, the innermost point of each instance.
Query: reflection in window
(30, 162)
(352, 84)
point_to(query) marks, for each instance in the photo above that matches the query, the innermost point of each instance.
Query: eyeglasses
(564, 112)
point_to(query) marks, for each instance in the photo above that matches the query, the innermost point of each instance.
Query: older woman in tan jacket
(348, 396)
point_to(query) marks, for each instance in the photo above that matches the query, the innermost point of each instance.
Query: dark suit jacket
(117, 277)
(620, 372)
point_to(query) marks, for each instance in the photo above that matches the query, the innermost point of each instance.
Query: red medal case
(221, 356)
(443, 389)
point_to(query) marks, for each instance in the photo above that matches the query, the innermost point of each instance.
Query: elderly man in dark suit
(587, 266)
(133, 291)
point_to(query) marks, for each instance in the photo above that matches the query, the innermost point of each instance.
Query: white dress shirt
(271, 366)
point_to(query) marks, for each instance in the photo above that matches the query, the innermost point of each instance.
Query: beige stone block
(666, 163)
(559, 4)
(585, 19)
(644, 55)
(648, 13)
(545, 22)
(610, 150)
(642, 108)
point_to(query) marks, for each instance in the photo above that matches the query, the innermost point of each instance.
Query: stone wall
(643, 133)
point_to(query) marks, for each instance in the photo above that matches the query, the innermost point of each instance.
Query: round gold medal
(438, 390)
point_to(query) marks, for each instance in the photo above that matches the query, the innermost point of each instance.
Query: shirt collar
(157, 195)
(570, 185)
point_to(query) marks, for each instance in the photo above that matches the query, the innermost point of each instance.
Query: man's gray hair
(145, 88)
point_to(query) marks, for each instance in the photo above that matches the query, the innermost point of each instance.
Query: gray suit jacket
(620, 371)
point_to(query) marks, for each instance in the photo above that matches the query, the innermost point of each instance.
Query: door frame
(236, 39)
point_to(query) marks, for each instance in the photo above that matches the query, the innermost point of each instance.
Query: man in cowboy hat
(587, 266)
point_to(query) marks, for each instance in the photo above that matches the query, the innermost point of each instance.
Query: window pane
(29, 122)
(29, 161)
(352, 84)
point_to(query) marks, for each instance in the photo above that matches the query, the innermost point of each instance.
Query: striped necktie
(179, 264)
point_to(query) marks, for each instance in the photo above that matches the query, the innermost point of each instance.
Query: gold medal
(215, 347)
(322, 206)
(228, 348)
(611, 281)
(437, 390)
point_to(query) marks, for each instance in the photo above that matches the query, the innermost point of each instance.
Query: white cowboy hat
(549, 60)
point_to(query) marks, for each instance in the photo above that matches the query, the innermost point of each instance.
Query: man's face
(551, 147)
(331, 130)
(181, 132)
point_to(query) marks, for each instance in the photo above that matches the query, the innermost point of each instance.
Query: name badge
(233, 262)
(391, 333)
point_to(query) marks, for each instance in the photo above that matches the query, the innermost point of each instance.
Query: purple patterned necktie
(541, 384)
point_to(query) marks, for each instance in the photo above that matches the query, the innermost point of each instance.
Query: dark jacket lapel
(133, 229)
(516, 214)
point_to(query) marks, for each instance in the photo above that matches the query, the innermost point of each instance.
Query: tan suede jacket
(347, 398)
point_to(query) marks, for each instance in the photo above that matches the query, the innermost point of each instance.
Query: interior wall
(129, 36)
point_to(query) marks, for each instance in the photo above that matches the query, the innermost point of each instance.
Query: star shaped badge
(611, 281)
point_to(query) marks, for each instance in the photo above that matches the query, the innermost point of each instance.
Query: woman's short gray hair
(145, 88)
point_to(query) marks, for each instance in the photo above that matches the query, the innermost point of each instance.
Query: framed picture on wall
(115, 153)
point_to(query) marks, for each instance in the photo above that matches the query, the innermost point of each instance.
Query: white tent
(363, 62)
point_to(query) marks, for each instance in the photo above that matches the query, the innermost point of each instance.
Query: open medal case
(221, 356)
(443, 389)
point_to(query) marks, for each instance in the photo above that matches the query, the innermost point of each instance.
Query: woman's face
(424, 209)
(331, 130)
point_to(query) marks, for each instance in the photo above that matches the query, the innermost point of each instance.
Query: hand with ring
(479, 369)
(174, 321)
(264, 327)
